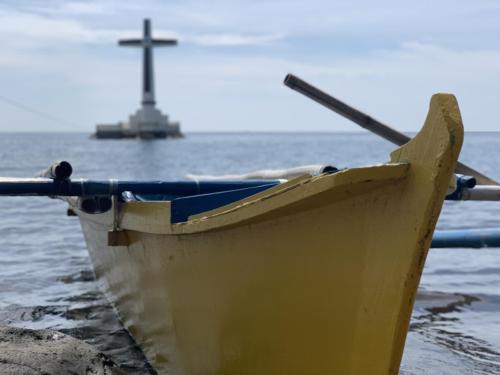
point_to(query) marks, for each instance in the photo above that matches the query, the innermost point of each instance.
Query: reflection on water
(47, 281)
(438, 317)
(87, 316)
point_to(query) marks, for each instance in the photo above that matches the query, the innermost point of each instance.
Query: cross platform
(147, 122)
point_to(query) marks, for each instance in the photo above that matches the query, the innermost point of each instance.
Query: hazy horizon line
(360, 131)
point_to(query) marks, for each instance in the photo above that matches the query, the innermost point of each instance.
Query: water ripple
(47, 279)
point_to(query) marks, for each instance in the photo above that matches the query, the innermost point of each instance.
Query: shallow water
(46, 279)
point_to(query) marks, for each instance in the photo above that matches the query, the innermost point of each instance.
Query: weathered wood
(117, 238)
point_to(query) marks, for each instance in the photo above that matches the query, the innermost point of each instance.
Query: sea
(46, 279)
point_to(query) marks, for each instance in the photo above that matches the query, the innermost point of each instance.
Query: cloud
(231, 91)
(81, 8)
(37, 31)
(101, 8)
(65, 8)
(386, 57)
(234, 39)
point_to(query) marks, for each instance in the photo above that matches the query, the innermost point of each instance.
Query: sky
(62, 70)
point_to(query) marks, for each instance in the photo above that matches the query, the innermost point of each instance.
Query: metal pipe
(77, 188)
(466, 238)
(368, 122)
(60, 170)
(481, 193)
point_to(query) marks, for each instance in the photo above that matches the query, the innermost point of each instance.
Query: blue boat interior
(187, 202)
(193, 197)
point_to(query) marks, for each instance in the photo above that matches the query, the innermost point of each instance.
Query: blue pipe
(78, 188)
(463, 182)
(471, 238)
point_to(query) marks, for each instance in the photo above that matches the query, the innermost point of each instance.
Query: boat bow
(314, 276)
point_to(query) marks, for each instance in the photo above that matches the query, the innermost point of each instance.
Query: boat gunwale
(154, 216)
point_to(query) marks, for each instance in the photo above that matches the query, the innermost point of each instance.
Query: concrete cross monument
(148, 121)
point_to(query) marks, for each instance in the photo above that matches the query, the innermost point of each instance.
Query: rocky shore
(37, 352)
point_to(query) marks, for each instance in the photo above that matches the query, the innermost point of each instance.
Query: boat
(316, 275)
(305, 276)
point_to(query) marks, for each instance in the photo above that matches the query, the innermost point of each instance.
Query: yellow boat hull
(314, 276)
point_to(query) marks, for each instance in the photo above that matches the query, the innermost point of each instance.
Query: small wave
(82, 276)
(477, 271)
(435, 319)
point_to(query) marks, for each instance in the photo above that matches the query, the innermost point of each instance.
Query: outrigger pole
(369, 122)
(466, 238)
(488, 189)
(54, 187)
(55, 182)
(95, 196)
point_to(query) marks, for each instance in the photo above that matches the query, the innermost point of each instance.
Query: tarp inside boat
(214, 192)
(185, 205)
